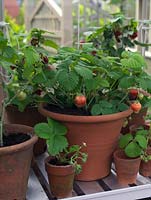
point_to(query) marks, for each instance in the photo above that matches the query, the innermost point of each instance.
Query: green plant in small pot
(145, 166)
(127, 159)
(64, 160)
(16, 140)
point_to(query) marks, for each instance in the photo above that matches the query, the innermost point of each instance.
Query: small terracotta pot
(15, 164)
(100, 133)
(60, 179)
(126, 168)
(29, 117)
(145, 167)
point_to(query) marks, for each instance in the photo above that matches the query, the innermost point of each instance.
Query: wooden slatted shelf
(107, 188)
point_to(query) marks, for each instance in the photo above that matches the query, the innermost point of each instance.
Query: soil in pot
(67, 111)
(100, 133)
(15, 161)
(15, 138)
(126, 168)
(29, 117)
(60, 177)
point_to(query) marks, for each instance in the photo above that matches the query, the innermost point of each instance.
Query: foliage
(91, 16)
(21, 66)
(146, 132)
(31, 62)
(127, 7)
(17, 32)
(54, 134)
(134, 144)
(21, 17)
(146, 156)
(114, 37)
(103, 80)
(8, 55)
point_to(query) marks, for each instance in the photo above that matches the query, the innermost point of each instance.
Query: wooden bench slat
(40, 162)
(112, 181)
(130, 193)
(90, 187)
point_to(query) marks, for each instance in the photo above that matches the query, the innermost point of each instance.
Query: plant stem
(52, 96)
(123, 99)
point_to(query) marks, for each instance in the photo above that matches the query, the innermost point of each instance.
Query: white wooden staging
(107, 188)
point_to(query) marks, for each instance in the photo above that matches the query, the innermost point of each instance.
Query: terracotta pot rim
(85, 119)
(122, 159)
(23, 145)
(55, 166)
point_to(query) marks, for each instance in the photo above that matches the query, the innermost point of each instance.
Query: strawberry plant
(137, 142)
(134, 145)
(32, 62)
(55, 135)
(22, 65)
(115, 36)
(95, 84)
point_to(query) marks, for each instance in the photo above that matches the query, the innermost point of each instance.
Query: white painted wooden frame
(132, 193)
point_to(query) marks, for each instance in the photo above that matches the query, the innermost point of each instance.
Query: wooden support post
(138, 17)
(142, 13)
(1, 10)
(67, 23)
(150, 25)
(29, 6)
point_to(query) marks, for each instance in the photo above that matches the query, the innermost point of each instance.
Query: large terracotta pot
(29, 117)
(100, 133)
(126, 168)
(60, 179)
(15, 164)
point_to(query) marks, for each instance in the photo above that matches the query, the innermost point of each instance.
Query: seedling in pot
(134, 144)
(55, 135)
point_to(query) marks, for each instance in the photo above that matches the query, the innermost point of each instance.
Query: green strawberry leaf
(56, 144)
(96, 109)
(142, 141)
(57, 128)
(43, 130)
(83, 72)
(54, 133)
(124, 140)
(133, 150)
